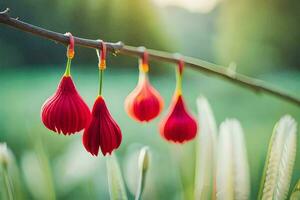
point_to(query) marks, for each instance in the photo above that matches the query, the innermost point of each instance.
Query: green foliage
(280, 160)
(206, 152)
(115, 181)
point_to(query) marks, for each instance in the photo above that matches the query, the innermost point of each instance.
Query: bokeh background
(261, 38)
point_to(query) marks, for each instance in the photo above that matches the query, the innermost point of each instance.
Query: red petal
(91, 139)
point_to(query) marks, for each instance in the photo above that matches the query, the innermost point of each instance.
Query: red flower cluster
(144, 103)
(66, 111)
(102, 131)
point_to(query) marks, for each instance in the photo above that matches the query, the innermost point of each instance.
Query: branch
(119, 48)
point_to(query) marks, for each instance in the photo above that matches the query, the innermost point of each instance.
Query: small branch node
(177, 56)
(116, 48)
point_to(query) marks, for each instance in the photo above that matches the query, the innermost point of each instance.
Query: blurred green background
(260, 37)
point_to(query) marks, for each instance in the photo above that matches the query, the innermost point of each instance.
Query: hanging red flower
(144, 103)
(179, 126)
(102, 131)
(66, 112)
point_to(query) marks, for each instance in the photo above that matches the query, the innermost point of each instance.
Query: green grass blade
(115, 181)
(205, 170)
(143, 168)
(7, 184)
(10, 174)
(241, 165)
(296, 192)
(233, 178)
(5, 161)
(224, 178)
(280, 160)
(263, 179)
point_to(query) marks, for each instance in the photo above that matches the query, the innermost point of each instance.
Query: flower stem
(68, 68)
(143, 76)
(178, 82)
(100, 81)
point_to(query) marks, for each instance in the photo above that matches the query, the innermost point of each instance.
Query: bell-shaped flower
(179, 126)
(144, 103)
(65, 112)
(102, 132)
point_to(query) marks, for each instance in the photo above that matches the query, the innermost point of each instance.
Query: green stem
(68, 68)
(178, 82)
(142, 76)
(100, 81)
(7, 184)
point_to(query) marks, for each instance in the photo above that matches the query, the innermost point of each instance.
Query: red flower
(102, 130)
(144, 103)
(179, 126)
(65, 111)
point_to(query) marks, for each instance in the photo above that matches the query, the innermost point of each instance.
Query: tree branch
(119, 48)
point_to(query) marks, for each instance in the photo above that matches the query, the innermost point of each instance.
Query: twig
(118, 47)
